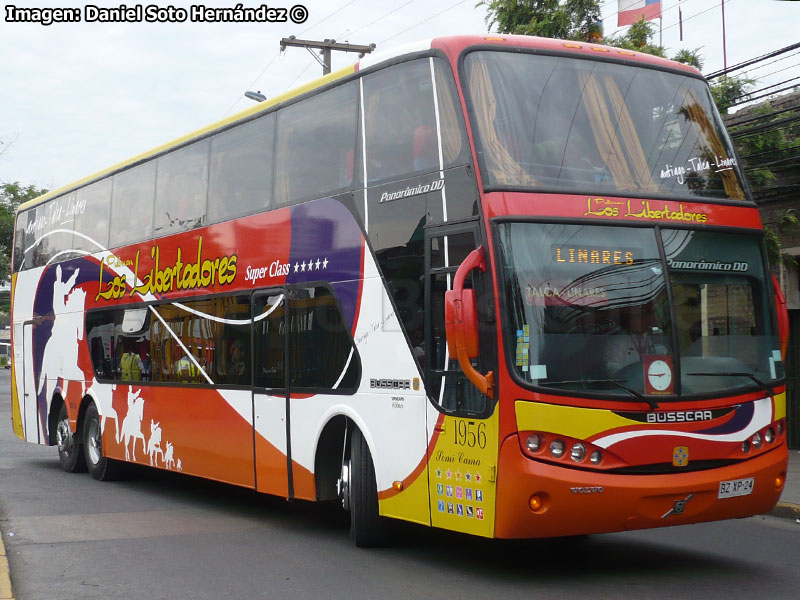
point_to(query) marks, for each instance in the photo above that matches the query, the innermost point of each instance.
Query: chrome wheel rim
(64, 437)
(95, 442)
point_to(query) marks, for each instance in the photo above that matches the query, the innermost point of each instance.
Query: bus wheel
(70, 455)
(100, 467)
(367, 528)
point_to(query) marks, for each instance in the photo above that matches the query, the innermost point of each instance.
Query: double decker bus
(506, 286)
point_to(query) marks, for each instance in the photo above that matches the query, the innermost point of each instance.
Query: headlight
(756, 440)
(557, 448)
(596, 457)
(769, 436)
(577, 452)
(534, 442)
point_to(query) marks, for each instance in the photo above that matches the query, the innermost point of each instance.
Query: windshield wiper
(651, 402)
(764, 386)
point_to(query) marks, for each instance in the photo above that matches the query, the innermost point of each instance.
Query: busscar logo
(390, 384)
(687, 416)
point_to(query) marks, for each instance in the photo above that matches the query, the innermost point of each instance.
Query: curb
(5, 577)
(785, 510)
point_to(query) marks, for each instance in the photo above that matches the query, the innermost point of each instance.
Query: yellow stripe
(779, 402)
(260, 107)
(580, 423)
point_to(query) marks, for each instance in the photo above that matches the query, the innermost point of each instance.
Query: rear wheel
(367, 528)
(70, 454)
(100, 467)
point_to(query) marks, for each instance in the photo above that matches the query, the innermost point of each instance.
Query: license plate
(735, 487)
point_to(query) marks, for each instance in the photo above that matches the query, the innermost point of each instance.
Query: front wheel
(367, 527)
(70, 454)
(100, 467)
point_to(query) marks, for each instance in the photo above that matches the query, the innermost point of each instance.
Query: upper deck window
(402, 135)
(551, 122)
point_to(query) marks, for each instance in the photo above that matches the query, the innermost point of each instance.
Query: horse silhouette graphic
(104, 395)
(60, 357)
(154, 443)
(132, 424)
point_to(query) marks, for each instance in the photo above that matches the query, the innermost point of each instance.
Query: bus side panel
(196, 431)
(389, 409)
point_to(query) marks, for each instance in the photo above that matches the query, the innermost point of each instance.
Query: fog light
(557, 448)
(596, 457)
(577, 452)
(536, 502)
(756, 440)
(534, 442)
(769, 436)
(745, 446)
(780, 480)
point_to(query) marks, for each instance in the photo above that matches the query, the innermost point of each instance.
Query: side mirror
(783, 316)
(461, 323)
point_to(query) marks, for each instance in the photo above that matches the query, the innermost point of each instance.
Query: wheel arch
(328, 454)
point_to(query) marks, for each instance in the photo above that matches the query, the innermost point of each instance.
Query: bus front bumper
(537, 499)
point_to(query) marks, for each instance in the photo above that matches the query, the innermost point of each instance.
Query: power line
(382, 17)
(747, 63)
(425, 20)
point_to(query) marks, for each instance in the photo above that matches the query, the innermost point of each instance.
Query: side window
(455, 149)
(269, 336)
(322, 354)
(231, 352)
(400, 121)
(132, 347)
(101, 335)
(182, 189)
(20, 240)
(240, 178)
(316, 143)
(132, 204)
(93, 207)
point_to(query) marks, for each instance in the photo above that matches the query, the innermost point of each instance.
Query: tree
(11, 196)
(565, 19)
(637, 37)
(690, 57)
(728, 90)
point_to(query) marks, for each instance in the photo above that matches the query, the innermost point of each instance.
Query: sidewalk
(789, 504)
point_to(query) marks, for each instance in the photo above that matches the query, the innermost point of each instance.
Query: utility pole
(724, 51)
(325, 48)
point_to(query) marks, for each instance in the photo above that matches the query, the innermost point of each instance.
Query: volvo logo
(678, 507)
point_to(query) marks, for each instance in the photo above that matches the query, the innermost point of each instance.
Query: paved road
(161, 535)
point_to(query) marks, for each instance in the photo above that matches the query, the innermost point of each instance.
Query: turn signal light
(780, 480)
(536, 502)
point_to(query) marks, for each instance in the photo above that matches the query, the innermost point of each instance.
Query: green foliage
(11, 196)
(690, 57)
(787, 223)
(637, 37)
(727, 90)
(564, 19)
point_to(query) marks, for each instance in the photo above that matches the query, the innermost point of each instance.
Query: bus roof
(452, 46)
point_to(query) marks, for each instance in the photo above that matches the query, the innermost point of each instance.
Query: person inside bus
(131, 366)
(636, 339)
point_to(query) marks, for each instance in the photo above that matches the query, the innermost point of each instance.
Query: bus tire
(100, 467)
(70, 454)
(367, 528)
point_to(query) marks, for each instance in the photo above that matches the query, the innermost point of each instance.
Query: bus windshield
(596, 309)
(567, 124)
